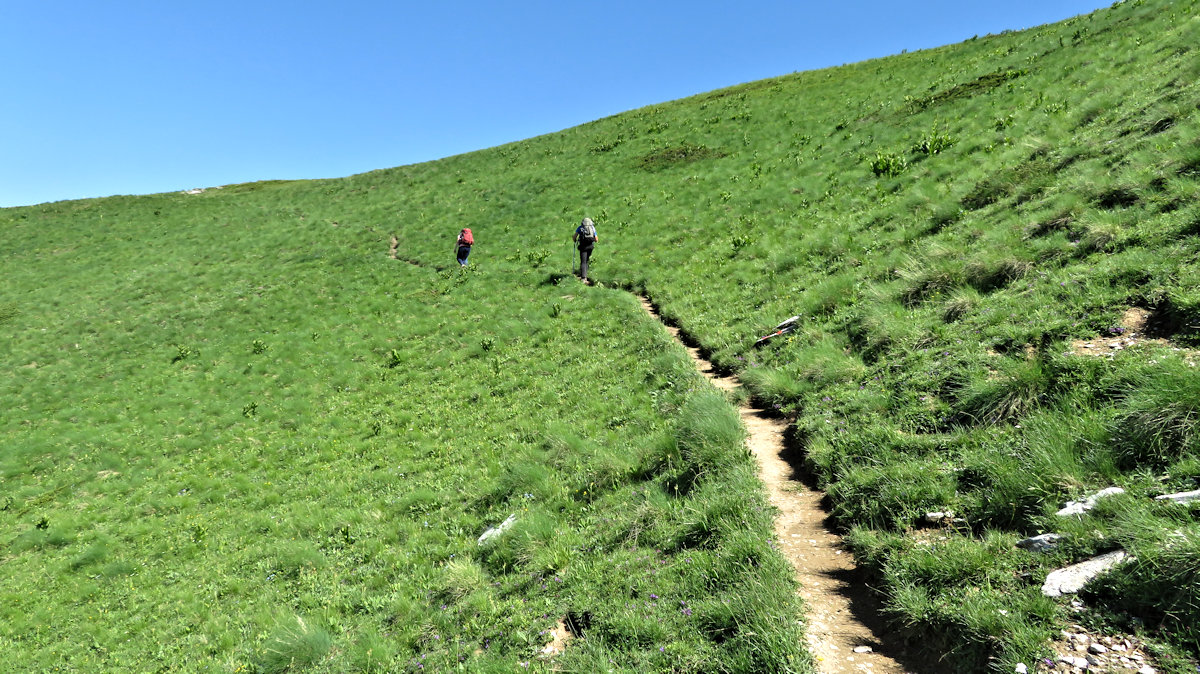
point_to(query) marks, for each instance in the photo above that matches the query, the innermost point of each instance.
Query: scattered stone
(862, 649)
(1072, 661)
(1080, 507)
(1097, 649)
(939, 517)
(1071, 579)
(1042, 543)
(1021, 668)
(498, 529)
(1147, 669)
(1181, 497)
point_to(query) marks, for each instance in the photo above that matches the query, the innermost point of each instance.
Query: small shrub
(934, 142)
(739, 241)
(183, 352)
(888, 164)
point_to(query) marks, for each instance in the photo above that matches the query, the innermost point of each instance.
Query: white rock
(498, 529)
(937, 517)
(1147, 669)
(1070, 579)
(1181, 497)
(1097, 649)
(1021, 668)
(1040, 543)
(862, 649)
(1080, 507)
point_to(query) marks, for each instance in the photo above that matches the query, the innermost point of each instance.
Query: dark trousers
(463, 252)
(585, 254)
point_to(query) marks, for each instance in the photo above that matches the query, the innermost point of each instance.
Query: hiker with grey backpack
(585, 238)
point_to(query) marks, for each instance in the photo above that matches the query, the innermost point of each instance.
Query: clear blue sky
(135, 97)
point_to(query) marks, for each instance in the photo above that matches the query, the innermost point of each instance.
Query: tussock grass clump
(1017, 389)
(1178, 314)
(709, 433)
(294, 646)
(961, 303)
(926, 281)
(1159, 421)
(901, 492)
(991, 274)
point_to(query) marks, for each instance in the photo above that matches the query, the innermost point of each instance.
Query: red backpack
(465, 238)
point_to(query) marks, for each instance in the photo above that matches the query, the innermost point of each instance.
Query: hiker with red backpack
(586, 238)
(463, 245)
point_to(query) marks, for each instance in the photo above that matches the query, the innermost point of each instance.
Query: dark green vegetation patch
(675, 156)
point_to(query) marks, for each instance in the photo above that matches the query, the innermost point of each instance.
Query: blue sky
(137, 97)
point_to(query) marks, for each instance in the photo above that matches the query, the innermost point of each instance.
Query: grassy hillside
(241, 436)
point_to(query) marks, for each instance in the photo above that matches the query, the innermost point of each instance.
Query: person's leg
(585, 254)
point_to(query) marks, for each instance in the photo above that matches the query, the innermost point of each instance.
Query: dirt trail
(842, 616)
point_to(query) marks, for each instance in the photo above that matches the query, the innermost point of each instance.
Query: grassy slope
(239, 437)
(945, 221)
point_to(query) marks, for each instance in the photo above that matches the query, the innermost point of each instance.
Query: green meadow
(239, 436)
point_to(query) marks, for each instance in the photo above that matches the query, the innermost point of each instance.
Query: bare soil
(845, 631)
(1133, 335)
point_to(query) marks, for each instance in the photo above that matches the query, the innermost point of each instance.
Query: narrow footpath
(844, 631)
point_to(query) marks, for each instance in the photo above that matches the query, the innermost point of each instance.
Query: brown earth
(1133, 335)
(845, 632)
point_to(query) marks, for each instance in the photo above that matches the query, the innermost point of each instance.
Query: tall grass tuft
(1018, 389)
(1158, 421)
(709, 432)
(295, 645)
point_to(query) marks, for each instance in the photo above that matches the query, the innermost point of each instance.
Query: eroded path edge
(842, 616)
